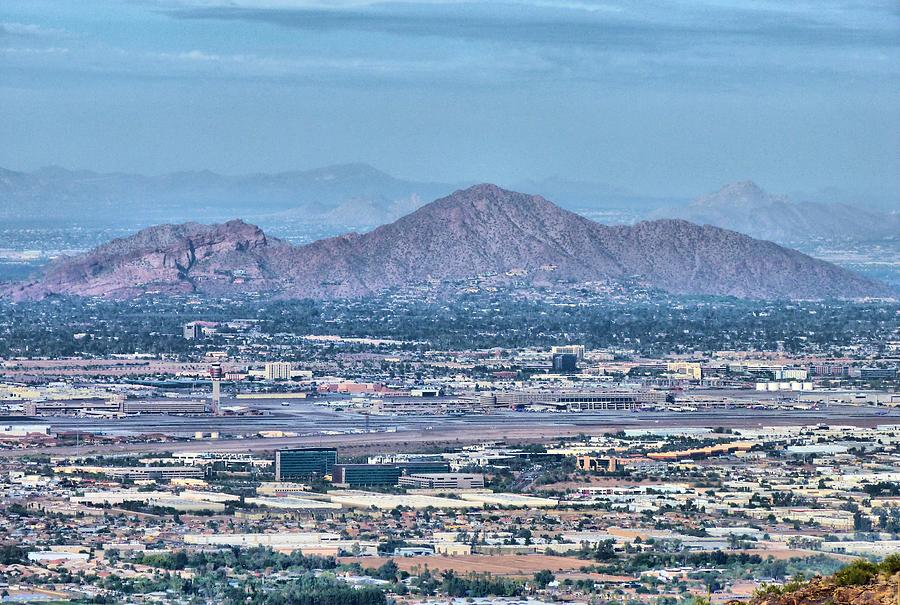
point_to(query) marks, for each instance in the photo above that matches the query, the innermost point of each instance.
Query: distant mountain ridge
(345, 194)
(357, 195)
(479, 230)
(745, 207)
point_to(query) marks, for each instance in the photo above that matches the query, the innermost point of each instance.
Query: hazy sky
(662, 97)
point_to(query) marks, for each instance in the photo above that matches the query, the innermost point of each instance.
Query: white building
(278, 370)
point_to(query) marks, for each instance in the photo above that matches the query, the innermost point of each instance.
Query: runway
(317, 425)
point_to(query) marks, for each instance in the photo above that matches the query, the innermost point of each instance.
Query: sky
(658, 97)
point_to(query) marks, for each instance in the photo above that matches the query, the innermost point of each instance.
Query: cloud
(721, 42)
(28, 51)
(547, 22)
(29, 30)
(710, 44)
(317, 67)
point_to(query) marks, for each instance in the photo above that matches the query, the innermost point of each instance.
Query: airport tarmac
(318, 425)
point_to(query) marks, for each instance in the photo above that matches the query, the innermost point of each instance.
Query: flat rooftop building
(365, 475)
(304, 463)
(575, 401)
(136, 472)
(443, 481)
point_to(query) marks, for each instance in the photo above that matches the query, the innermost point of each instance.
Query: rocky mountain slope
(860, 583)
(746, 208)
(483, 229)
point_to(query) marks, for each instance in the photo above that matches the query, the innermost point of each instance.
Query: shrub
(891, 564)
(857, 573)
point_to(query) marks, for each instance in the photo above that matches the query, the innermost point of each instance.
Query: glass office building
(362, 475)
(304, 463)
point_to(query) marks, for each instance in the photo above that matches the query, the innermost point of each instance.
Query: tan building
(684, 370)
(594, 464)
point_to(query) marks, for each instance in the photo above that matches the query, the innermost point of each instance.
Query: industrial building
(304, 463)
(17, 426)
(363, 499)
(292, 502)
(508, 500)
(322, 544)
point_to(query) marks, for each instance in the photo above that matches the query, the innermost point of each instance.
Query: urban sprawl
(326, 468)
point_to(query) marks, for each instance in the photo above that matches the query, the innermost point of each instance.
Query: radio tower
(215, 374)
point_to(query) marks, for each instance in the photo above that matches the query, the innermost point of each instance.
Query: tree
(543, 578)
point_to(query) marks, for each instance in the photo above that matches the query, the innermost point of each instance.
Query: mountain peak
(485, 210)
(487, 190)
(740, 194)
(481, 230)
(487, 196)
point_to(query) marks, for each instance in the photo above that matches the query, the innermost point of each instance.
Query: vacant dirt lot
(501, 565)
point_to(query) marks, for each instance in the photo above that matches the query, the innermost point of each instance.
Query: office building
(366, 475)
(363, 475)
(304, 463)
(192, 331)
(593, 464)
(834, 370)
(423, 466)
(278, 370)
(565, 363)
(684, 370)
(443, 481)
(576, 350)
(878, 373)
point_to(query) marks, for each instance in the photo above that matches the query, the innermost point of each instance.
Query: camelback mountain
(746, 208)
(483, 229)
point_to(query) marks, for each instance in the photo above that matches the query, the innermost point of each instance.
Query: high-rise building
(565, 362)
(192, 331)
(278, 370)
(577, 350)
(304, 463)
